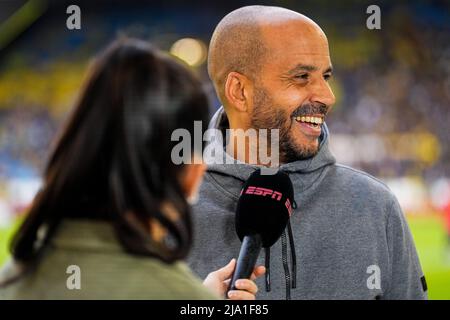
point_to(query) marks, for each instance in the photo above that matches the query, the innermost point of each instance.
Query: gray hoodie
(350, 237)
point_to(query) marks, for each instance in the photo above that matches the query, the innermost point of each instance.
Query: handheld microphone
(262, 213)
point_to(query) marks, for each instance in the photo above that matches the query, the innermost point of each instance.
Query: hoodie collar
(242, 170)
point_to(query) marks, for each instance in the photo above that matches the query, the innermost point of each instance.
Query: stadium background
(392, 86)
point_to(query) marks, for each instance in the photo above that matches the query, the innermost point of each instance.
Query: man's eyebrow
(302, 67)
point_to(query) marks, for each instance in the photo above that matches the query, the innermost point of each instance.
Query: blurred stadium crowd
(392, 86)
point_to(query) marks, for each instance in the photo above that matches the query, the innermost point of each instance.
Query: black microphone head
(265, 206)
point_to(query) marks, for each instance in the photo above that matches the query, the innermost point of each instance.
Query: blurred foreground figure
(270, 67)
(112, 220)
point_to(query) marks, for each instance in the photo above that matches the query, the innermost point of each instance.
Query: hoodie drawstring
(287, 275)
(267, 265)
(293, 255)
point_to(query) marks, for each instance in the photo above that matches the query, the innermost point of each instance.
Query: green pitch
(4, 242)
(429, 236)
(431, 242)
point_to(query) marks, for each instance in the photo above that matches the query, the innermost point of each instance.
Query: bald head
(243, 39)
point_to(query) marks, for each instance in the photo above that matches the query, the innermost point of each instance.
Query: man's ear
(239, 91)
(191, 178)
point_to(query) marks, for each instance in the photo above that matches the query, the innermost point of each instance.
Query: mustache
(309, 109)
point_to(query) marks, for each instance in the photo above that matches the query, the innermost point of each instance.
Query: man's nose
(322, 93)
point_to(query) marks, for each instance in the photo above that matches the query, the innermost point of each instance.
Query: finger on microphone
(258, 272)
(240, 295)
(247, 285)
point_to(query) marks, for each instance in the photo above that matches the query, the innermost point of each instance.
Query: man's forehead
(297, 58)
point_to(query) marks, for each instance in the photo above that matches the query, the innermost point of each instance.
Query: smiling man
(270, 67)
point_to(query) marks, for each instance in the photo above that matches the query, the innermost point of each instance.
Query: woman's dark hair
(112, 160)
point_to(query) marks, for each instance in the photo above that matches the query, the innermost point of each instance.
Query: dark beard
(266, 116)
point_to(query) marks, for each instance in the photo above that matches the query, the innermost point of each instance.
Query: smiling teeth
(316, 120)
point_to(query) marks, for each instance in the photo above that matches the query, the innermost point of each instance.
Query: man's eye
(304, 76)
(327, 77)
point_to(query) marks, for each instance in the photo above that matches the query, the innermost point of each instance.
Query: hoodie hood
(242, 171)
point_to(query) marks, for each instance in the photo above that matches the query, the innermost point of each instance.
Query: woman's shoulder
(101, 277)
(86, 261)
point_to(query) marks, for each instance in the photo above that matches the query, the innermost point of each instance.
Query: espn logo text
(260, 191)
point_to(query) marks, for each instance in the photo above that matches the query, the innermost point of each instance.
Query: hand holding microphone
(219, 281)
